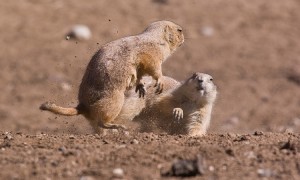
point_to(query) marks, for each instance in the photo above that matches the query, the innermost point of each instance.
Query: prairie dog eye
(211, 79)
(179, 30)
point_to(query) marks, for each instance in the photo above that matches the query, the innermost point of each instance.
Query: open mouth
(200, 88)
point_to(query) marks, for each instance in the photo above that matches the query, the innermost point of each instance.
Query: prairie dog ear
(169, 37)
(192, 78)
(194, 75)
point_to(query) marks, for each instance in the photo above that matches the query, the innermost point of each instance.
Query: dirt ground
(251, 48)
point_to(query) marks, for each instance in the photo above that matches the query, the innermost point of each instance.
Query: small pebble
(264, 172)
(126, 133)
(134, 141)
(230, 152)
(258, 133)
(105, 141)
(80, 32)
(185, 168)
(118, 172)
(232, 135)
(289, 130)
(8, 136)
(244, 138)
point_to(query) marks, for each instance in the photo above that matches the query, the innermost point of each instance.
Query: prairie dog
(118, 66)
(182, 109)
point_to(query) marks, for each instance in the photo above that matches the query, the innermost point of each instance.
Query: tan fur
(117, 67)
(59, 110)
(182, 109)
(134, 105)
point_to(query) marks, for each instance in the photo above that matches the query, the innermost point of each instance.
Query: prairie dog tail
(48, 106)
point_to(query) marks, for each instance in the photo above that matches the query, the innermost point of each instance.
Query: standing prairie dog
(118, 66)
(182, 109)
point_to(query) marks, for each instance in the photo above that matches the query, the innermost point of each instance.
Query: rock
(126, 133)
(97, 136)
(66, 152)
(242, 138)
(289, 130)
(118, 172)
(8, 136)
(7, 141)
(71, 137)
(80, 32)
(231, 135)
(54, 163)
(134, 141)
(62, 149)
(230, 152)
(264, 172)
(186, 168)
(258, 133)
(105, 141)
(289, 146)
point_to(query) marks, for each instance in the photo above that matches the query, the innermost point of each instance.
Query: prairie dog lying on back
(182, 109)
(118, 66)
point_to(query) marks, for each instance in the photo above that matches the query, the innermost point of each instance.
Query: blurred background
(251, 48)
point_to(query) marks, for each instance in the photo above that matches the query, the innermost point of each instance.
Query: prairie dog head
(170, 32)
(200, 87)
